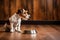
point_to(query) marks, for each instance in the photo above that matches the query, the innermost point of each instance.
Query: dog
(16, 18)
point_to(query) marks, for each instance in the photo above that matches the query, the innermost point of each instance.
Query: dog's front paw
(11, 31)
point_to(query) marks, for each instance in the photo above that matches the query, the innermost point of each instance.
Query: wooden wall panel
(6, 9)
(42, 10)
(55, 9)
(50, 7)
(13, 6)
(1, 9)
(23, 4)
(18, 4)
(39, 9)
(35, 10)
(58, 4)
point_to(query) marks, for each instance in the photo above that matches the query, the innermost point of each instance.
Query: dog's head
(24, 14)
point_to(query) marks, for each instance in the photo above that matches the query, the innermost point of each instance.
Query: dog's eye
(24, 13)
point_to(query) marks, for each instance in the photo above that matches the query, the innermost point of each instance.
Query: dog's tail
(5, 25)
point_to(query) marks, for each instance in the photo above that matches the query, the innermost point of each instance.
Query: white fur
(15, 21)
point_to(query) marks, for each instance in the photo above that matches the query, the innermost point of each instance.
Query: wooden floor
(44, 32)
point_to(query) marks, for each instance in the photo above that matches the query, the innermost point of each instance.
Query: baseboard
(31, 22)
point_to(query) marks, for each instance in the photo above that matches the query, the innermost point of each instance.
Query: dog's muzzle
(28, 16)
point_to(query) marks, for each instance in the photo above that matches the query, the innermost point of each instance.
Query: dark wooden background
(38, 9)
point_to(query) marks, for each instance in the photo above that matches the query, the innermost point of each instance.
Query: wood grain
(44, 32)
(39, 9)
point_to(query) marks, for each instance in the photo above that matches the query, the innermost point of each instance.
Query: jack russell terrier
(15, 19)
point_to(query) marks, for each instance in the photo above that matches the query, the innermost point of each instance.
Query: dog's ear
(23, 10)
(19, 11)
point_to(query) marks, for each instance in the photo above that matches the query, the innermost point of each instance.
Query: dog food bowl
(29, 32)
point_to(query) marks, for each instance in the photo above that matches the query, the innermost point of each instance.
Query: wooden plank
(44, 32)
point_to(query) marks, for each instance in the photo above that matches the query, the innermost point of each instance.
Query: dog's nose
(29, 16)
